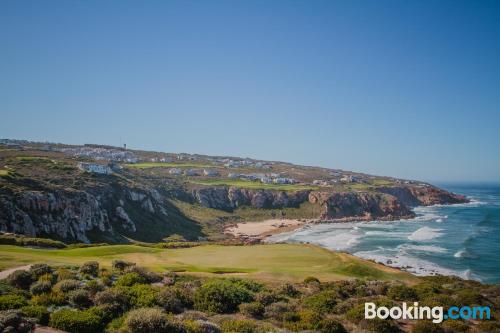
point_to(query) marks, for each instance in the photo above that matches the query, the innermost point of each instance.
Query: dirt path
(7, 272)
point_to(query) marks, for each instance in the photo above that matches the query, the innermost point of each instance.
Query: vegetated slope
(44, 193)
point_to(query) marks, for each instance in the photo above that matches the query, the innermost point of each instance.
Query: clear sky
(399, 88)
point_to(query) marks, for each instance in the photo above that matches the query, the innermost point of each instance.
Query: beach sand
(262, 229)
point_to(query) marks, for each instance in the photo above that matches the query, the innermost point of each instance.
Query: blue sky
(400, 88)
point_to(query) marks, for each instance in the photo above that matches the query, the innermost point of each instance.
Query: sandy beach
(262, 229)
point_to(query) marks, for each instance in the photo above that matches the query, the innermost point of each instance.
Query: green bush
(238, 326)
(278, 310)
(247, 284)
(469, 297)
(76, 321)
(402, 293)
(289, 290)
(80, 298)
(65, 274)
(20, 279)
(115, 299)
(93, 286)
(49, 277)
(130, 279)
(13, 321)
(40, 287)
(12, 301)
(40, 313)
(38, 270)
(120, 265)
(151, 320)
(268, 297)
(302, 320)
(90, 267)
(220, 296)
(147, 275)
(322, 302)
(68, 285)
(311, 280)
(253, 309)
(48, 299)
(169, 300)
(380, 325)
(330, 325)
(456, 326)
(141, 295)
(426, 327)
(201, 326)
(5, 288)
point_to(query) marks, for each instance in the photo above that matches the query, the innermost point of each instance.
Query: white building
(233, 175)
(95, 168)
(210, 172)
(175, 171)
(191, 172)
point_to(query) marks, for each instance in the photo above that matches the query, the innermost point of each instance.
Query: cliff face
(360, 206)
(145, 214)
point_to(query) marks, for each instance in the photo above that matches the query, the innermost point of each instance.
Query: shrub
(49, 277)
(94, 286)
(169, 300)
(311, 280)
(456, 326)
(20, 279)
(116, 300)
(426, 327)
(47, 299)
(150, 277)
(247, 284)
(141, 295)
(65, 274)
(329, 325)
(220, 296)
(254, 309)
(278, 310)
(80, 298)
(76, 321)
(380, 325)
(38, 270)
(289, 290)
(12, 301)
(5, 288)
(14, 321)
(469, 297)
(116, 325)
(68, 285)
(120, 265)
(402, 293)
(438, 300)
(40, 287)
(40, 313)
(151, 320)
(356, 313)
(90, 267)
(238, 326)
(201, 326)
(302, 320)
(268, 297)
(321, 302)
(130, 279)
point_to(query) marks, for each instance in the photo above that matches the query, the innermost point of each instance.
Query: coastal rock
(128, 224)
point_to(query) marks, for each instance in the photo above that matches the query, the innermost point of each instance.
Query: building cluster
(99, 153)
(193, 172)
(272, 178)
(233, 163)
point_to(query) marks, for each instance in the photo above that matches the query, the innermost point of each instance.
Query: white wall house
(95, 168)
(175, 171)
(210, 172)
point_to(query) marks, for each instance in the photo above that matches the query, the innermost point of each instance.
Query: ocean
(462, 239)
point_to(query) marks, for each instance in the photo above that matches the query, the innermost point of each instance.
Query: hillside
(95, 193)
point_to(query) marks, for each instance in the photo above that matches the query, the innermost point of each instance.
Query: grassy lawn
(252, 184)
(148, 165)
(272, 263)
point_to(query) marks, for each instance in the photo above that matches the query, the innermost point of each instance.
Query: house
(233, 175)
(191, 172)
(210, 172)
(282, 180)
(95, 168)
(175, 171)
(266, 180)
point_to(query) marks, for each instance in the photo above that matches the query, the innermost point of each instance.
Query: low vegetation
(127, 298)
(252, 184)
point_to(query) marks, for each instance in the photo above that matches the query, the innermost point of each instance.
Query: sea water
(461, 239)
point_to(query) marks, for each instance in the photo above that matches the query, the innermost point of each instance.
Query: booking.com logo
(436, 313)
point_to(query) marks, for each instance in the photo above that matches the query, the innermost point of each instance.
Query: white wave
(425, 248)
(439, 220)
(461, 254)
(425, 234)
(410, 264)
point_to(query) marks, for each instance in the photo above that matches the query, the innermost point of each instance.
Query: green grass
(3, 172)
(272, 262)
(252, 184)
(33, 159)
(148, 165)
